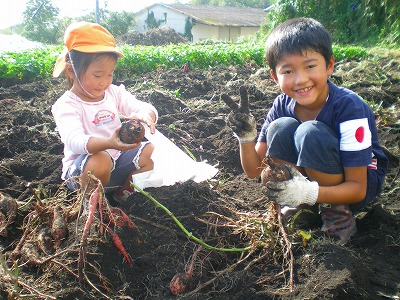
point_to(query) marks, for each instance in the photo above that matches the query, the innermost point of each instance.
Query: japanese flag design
(355, 135)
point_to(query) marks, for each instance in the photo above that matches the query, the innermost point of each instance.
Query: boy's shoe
(304, 216)
(338, 222)
(121, 195)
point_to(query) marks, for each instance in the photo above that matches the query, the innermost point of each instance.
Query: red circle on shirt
(360, 134)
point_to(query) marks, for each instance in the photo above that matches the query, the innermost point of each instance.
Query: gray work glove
(240, 120)
(293, 192)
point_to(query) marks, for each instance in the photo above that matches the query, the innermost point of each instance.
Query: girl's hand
(118, 144)
(148, 118)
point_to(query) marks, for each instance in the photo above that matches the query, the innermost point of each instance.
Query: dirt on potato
(262, 262)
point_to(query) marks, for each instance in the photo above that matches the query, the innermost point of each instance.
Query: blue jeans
(314, 145)
(126, 163)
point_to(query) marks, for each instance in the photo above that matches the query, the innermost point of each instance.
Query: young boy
(327, 132)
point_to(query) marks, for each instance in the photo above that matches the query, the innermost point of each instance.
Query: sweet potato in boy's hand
(274, 172)
(285, 185)
(132, 132)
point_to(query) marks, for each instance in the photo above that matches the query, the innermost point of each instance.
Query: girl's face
(96, 79)
(303, 77)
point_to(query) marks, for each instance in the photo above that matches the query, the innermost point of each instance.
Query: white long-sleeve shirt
(78, 120)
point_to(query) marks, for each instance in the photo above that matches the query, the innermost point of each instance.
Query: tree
(151, 20)
(118, 23)
(349, 21)
(40, 22)
(384, 17)
(188, 29)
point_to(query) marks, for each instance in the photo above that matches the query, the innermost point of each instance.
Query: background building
(202, 22)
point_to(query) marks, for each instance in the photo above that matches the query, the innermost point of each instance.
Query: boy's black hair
(295, 36)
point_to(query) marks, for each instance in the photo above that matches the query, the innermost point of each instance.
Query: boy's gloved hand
(293, 192)
(240, 120)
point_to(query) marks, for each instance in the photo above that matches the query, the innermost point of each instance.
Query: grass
(33, 64)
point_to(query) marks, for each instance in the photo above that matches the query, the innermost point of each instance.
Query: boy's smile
(304, 77)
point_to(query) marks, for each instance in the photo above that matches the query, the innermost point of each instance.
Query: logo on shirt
(355, 135)
(360, 134)
(103, 117)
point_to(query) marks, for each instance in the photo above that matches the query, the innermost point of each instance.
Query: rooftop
(220, 15)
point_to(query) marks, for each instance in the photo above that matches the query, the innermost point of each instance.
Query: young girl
(88, 115)
(327, 132)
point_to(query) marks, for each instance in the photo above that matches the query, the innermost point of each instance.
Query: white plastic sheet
(172, 165)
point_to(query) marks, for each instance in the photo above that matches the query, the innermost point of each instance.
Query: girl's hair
(296, 36)
(80, 61)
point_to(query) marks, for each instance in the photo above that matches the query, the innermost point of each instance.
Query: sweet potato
(3, 225)
(30, 254)
(132, 132)
(180, 283)
(44, 240)
(118, 244)
(118, 217)
(183, 282)
(8, 213)
(8, 206)
(274, 171)
(59, 230)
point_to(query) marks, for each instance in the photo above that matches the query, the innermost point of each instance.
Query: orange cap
(85, 37)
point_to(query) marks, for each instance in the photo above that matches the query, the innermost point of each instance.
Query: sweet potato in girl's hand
(131, 132)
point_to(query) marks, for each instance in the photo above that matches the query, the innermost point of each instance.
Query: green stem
(180, 225)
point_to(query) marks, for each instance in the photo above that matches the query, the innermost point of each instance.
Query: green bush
(39, 63)
(140, 59)
(364, 22)
(28, 65)
(342, 52)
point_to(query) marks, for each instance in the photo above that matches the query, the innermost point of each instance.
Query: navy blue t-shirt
(350, 117)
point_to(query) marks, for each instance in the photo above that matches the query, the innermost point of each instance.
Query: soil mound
(154, 37)
(227, 212)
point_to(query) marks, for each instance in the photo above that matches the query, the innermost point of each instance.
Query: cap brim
(60, 63)
(98, 49)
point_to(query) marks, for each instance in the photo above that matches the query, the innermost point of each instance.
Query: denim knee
(280, 139)
(317, 147)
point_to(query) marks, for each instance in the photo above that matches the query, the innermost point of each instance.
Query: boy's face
(304, 77)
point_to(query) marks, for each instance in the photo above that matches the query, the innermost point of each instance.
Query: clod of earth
(132, 132)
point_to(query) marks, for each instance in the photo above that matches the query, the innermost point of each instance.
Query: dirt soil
(278, 261)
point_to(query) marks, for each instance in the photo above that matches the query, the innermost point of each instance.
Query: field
(224, 212)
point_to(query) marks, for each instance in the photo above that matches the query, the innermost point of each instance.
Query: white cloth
(172, 165)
